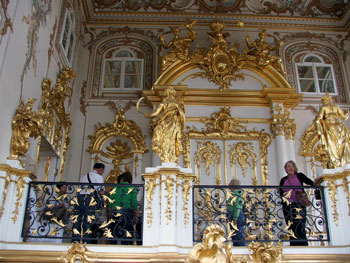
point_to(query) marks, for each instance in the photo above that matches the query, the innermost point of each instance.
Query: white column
(281, 154)
(168, 217)
(290, 150)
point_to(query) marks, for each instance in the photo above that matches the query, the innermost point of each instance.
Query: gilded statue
(169, 124)
(260, 49)
(333, 133)
(25, 124)
(180, 46)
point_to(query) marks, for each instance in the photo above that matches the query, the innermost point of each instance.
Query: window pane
(307, 85)
(65, 33)
(305, 72)
(113, 67)
(324, 72)
(312, 59)
(112, 75)
(326, 86)
(132, 75)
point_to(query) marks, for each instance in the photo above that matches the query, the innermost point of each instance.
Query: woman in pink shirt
(294, 213)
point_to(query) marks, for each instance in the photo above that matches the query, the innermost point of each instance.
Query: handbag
(302, 198)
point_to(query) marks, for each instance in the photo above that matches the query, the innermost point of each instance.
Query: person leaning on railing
(294, 213)
(124, 208)
(236, 215)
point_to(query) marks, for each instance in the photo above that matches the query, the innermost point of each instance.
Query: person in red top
(294, 213)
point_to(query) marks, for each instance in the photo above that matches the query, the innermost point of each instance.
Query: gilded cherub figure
(333, 133)
(179, 45)
(170, 122)
(260, 49)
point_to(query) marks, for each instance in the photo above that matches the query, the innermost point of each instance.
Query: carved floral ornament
(221, 126)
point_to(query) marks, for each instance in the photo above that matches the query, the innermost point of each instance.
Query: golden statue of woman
(333, 133)
(170, 121)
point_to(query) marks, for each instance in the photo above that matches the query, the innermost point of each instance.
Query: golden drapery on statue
(333, 133)
(169, 124)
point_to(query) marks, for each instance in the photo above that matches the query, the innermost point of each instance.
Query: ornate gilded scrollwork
(221, 126)
(209, 154)
(169, 187)
(213, 249)
(76, 252)
(221, 63)
(117, 150)
(186, 187)
(243, 154)
(25, 124)
(150, 185)
(282, 124)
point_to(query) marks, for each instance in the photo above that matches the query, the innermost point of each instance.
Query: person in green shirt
(124, 208)
(236, 215)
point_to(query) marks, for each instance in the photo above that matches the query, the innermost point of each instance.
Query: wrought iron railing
(262, 213)
(80, 214)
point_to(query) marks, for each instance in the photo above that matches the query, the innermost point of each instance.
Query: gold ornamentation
(20, 188)
(259, 51)
(67, 125)
(221, 63)
(221, 126)
(281, 123)
(150, 185)
(179, 45)
(266, 252)
(333, 133)
(76, 252)
(186, 187)
(333, 190)
(4, 194)
(170, 122)
(212, 248)
(243, 154)
(209, 154)
(25, 124)
(169, 187)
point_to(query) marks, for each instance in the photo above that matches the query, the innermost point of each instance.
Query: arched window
(315, 77)
(123, 72)
(68, 36)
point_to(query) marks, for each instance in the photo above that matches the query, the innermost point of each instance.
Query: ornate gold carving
(82, 98)
(76, 252)
(212, 248)
(4, 194)
(117, 150)
(186, 187)
(67, 125)
(170, 122)
(150, 185)
(169, 187)
(259, 51)
(333, 190)
(243, 154)
(25, 124)
(221, 126)
(266, 252)
(20, 188)
(179, 45)
(281, 124)
(208, 153)
(220, 63)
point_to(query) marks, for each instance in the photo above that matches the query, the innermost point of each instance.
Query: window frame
(70, 45)
(123, 61)
(315, 78)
